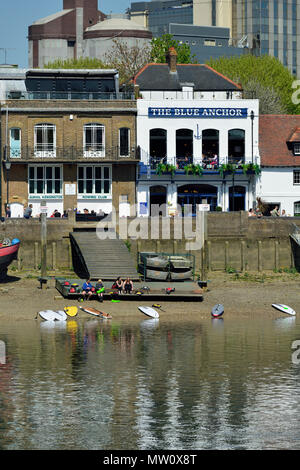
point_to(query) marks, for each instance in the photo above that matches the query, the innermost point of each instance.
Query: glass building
(161, 13)
(271, 28)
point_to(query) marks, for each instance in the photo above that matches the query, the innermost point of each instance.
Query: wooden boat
(180, 262)
(157, 262)
(8, 252)
(96, 313)
(181, 275)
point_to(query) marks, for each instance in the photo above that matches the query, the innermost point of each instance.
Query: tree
(128, 60)
(269, 100)
(161, 45)
(80, 63)
(264, 74)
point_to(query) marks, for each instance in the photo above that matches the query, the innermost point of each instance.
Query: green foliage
(268, 71)
(81, 63)
(161, 45)
(165, 168)
(193, 169)
(251, 168)
(228, 168)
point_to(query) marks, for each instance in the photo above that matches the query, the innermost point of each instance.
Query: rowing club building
(197, 138)
(67, 138)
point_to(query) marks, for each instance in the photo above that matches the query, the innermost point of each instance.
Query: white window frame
(12, 152)
(296, 149)
(53, 194)
(296, 176)
(94, 180)
(128, 149)
(43, 149)
(94, 150)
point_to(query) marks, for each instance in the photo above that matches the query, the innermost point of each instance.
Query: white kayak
(217, 310)
(52, 315)
(149, 311)
(284, 308)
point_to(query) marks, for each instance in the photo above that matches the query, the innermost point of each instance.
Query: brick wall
(26, 114)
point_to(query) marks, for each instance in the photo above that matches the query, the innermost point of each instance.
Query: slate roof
(157, 77)
(277, 133)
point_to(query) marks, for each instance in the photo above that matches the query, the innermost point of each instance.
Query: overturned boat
(8, 252)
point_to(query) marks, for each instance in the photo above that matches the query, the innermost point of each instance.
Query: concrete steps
(102, 259)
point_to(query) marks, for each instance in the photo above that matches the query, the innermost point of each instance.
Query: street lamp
(252, 120)
(7, 168)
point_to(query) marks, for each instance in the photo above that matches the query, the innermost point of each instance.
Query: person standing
(28, 212)
(7, 211)
(275, 212)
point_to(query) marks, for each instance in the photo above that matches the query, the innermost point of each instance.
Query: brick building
(74, 149)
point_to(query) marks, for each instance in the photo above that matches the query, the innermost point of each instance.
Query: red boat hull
(7, 255)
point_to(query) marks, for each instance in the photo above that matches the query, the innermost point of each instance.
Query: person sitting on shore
(128, 286)
(100, 289)
(251, 213)
(87, 290)
(118, 284)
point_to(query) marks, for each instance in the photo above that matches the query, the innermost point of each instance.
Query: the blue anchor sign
(198, 136)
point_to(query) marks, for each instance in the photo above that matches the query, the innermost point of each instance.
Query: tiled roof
(157, 77)
(277, 133)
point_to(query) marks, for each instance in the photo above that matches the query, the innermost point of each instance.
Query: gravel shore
(241, 294)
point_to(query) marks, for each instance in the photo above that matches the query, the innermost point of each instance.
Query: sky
(16, 16)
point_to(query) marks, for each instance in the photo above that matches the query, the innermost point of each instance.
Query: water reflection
(150, 384)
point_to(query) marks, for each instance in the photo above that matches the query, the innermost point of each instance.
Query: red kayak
(96, 313)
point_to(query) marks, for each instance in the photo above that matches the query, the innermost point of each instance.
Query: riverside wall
(234, 242)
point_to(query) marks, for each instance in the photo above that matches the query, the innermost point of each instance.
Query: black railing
(87, 153)
(65, 95)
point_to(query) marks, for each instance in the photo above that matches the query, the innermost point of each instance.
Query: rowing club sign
(221, 113)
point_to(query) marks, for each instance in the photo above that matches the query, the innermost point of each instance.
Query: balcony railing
(57, 95)
(69, 154)
(188, 165)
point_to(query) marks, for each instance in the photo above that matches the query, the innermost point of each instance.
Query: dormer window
(296, 148)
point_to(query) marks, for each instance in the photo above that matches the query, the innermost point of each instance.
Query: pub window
(124, 141)
(297, 209)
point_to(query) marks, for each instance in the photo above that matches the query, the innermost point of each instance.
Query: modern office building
(264, 26)
(156, 15)
(206, 42)
(271, 27)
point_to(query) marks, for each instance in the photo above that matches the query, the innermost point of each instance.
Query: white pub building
(197, 137)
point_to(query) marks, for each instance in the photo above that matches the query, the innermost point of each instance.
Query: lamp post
(7, 168)
(252, 120)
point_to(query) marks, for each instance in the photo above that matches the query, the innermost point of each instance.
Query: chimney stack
(172, 60)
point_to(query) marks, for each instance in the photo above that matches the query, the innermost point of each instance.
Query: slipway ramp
(101, 259)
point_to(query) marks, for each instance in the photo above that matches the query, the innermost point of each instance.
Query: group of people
(274, 212)
(123, 287)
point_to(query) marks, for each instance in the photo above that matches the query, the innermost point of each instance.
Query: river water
(140, 384)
